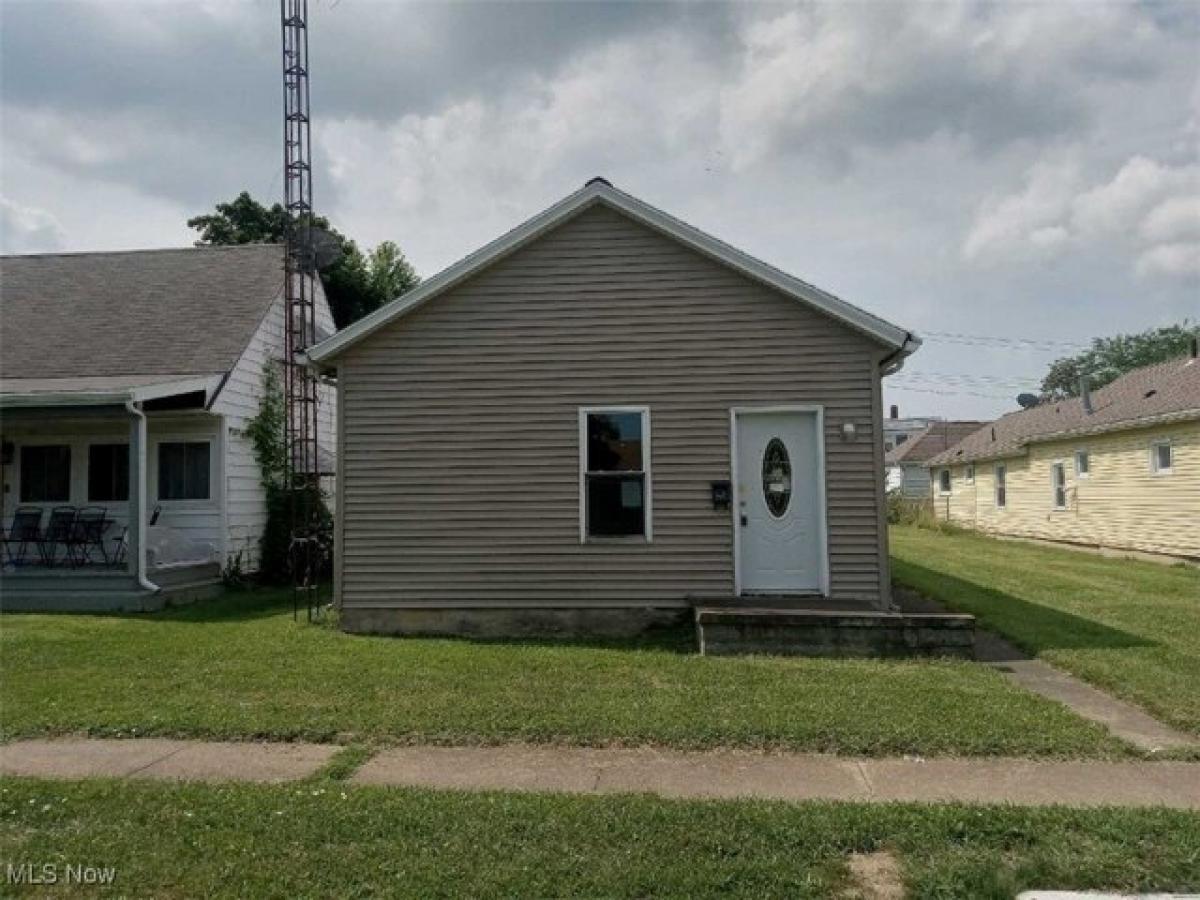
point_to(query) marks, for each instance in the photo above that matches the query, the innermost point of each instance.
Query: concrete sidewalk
(667, 773)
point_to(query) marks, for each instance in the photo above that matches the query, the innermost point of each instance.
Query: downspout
(140, 512)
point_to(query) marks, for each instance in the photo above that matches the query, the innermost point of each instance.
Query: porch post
(137, 491)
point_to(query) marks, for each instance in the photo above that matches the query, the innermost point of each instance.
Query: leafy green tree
(355, 283)
(1109, 358)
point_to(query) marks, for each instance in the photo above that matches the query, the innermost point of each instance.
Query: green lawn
(1130, 627)
(324, 838)
(240, 667)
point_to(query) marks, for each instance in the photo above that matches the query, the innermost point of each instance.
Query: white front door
(779, 516)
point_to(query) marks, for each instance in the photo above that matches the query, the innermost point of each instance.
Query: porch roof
(100, 390)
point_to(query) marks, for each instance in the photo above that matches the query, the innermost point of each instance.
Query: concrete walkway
(153, 758)
(666, 773)
(1124, 720)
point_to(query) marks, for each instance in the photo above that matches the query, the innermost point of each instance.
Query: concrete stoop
(723, 631)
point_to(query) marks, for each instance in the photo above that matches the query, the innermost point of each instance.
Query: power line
(987, 340)
(948, 393)
(969, 378)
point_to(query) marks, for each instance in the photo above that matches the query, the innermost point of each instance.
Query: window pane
(183, 471)
(1163, 457)
(46, 474)
(614, 442)
(616, 504)
(108, 472)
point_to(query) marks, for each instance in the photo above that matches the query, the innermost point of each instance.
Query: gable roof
(1158, 394)
(930, 441)
(121, 317)
(599, 191)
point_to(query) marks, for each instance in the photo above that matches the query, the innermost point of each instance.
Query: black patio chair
(26, 529)
(88, 535)
(59, 532)
(120, 548)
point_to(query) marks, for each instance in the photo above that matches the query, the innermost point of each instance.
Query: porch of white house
(155, 469)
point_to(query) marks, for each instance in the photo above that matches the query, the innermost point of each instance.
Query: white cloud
(25, 229)
(1148, 212)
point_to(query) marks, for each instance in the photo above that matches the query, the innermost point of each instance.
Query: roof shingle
(936, 437)
(1162, 392)
(188, 311)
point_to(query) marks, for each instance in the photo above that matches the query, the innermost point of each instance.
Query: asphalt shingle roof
(1161, 392)
(188, 311)
(936, 437)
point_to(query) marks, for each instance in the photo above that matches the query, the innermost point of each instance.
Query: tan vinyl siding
(1121, 504)
(460, 425)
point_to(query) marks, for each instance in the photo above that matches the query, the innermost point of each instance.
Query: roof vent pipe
(1085, 394)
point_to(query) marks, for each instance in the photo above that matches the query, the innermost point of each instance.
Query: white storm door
(779, 494)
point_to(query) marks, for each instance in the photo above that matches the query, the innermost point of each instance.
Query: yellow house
(1119, 468)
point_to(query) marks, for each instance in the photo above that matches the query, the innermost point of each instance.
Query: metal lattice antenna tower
(300, 382)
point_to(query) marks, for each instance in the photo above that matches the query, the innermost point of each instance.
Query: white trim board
(647, 478)
(735, 506)
(599, 191)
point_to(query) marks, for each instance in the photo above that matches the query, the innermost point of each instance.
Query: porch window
(615, 472)
(183, 470)
(108, 473)
(46, 473)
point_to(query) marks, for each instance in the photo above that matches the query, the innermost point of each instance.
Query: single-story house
(600, 420)
(897, 430)
(1116, 468)
(907, 471)
(126, 382)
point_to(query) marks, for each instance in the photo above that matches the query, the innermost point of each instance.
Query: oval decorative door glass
(777, 477)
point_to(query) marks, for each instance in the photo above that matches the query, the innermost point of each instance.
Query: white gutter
(140, 512)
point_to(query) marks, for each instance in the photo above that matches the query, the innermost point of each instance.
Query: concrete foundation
(514, 622)
(725, 631)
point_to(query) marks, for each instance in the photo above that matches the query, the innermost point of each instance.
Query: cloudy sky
(1016, 172)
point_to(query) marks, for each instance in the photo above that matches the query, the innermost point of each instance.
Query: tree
(355, 283)
(1109, 358)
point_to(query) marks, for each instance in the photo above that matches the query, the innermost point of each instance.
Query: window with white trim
(1083, 464)
(108, 473)
(1001, 486)
(615, 472)
(46, 473)
(184, 470)
(970, 473)
(1058, 484)
(944, 481)
(1162, 457)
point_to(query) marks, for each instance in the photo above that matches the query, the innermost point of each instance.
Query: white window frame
(1058, 465)
(1086, 453)
(949, 489)
(18, 465)
(87, 469)
(1000, 469)
(215, 492)
(1155, 468)
(647, 478)
(970, 473)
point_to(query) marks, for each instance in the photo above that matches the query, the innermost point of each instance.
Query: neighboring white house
(897, 430)
(129, 378)
(906, 463)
